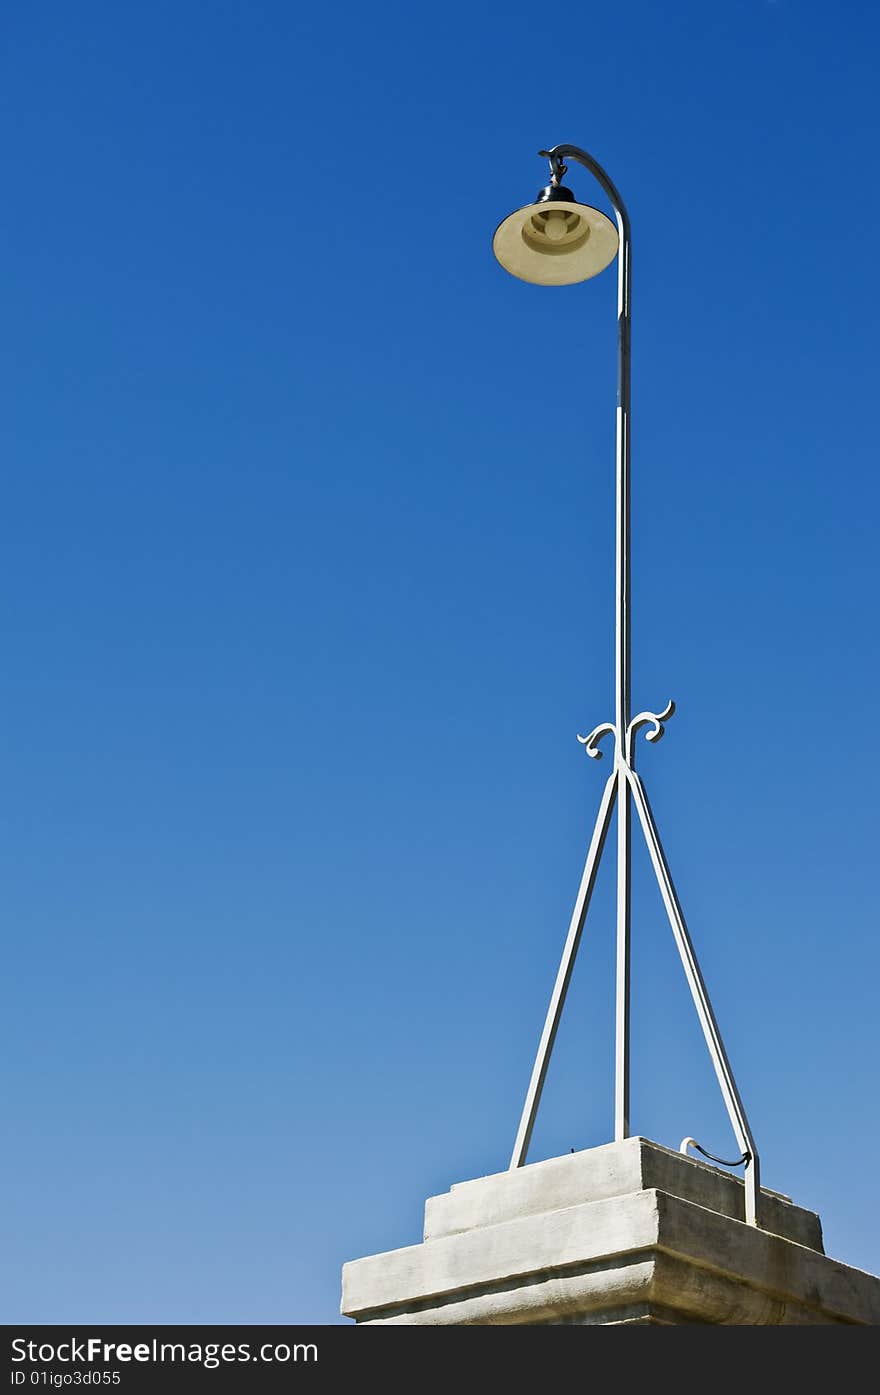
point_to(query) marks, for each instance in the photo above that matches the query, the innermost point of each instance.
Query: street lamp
(557, 241)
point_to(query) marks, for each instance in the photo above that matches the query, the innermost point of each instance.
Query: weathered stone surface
(616, 1169)
(627, 1233)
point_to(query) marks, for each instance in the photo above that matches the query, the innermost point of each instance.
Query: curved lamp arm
(560, 153)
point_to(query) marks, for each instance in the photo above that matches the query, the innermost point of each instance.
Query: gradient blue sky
(306, 548)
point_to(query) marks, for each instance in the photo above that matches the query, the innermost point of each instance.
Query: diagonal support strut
(563, 977)
(724, 1074)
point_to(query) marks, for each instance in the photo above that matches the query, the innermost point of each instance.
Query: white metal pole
(624, 786)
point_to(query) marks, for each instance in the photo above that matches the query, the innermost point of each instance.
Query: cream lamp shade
(555, 241)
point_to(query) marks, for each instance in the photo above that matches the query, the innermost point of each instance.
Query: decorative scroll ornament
(652, 719)
(642, 719)
(589, 742)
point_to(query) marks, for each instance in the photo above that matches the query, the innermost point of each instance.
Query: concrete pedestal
(627, 1233)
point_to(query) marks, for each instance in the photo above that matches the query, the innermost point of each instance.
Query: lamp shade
(555, 241)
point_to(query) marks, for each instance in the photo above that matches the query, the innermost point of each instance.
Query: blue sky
(306, 551)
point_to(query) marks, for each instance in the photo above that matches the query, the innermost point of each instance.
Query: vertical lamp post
(558, 241)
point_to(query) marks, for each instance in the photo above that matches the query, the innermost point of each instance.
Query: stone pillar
(627, 1233)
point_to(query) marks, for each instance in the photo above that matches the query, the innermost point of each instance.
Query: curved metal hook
(725, 1162)
(558, 153)
(589, 742)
